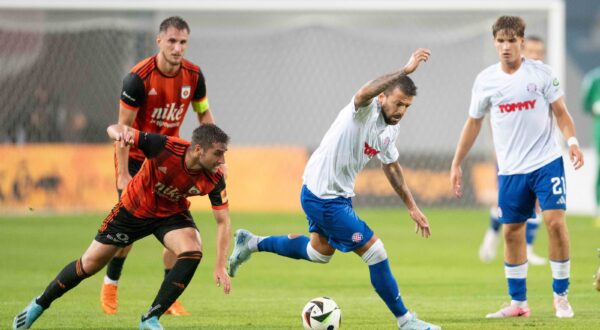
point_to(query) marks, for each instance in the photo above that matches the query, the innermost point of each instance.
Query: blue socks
(516, 275)
(284, 246)
(560, 276)
(381, 276)
(386, 287)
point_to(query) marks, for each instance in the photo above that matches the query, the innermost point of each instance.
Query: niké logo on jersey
(171, 112)
(517, 106)
(370, 151)
(169, 192)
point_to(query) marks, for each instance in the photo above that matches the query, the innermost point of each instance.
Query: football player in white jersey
(365, 128)
(523, 99)
(533, 49)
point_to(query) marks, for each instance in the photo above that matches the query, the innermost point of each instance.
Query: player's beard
(388, 120)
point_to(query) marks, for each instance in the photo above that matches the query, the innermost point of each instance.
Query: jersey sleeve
(363, 113)
(133, 93)
(151, 144)
(390, 154)
(200, 99)
(552, 90)
(218, 196)
(480, 102)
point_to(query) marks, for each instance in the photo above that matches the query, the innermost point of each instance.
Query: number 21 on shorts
(558, 185)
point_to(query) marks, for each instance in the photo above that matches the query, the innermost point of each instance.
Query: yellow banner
(81, 178)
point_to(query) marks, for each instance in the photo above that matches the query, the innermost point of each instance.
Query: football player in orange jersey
(155, 203)
(155, 97)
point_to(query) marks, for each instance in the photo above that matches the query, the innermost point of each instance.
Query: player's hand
(125, 137)
(419, 55)
(456, 181)
(420, 222)
(122, 134)
(222, 279)
(576, 156)
(123, 180)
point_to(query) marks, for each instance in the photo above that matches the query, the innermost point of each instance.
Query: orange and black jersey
(162, 101)
(161, 187)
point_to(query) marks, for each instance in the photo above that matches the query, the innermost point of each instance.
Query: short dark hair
(406, 86)
(208, 134)
(174, 21)
(509, 23)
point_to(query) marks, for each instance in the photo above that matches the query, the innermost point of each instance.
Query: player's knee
(557, 231)
(316, 256)
(87, 266)
(375, 254)
(190, 256)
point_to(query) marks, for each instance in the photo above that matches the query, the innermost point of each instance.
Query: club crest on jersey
(370, 151)
(185, 92)
(387, 140)
(532, 88)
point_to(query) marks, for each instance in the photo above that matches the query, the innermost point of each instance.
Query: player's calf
(291, 246)
(384, 282)
(174, 283)
(68, 278)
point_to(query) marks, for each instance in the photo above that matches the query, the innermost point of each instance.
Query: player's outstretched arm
(395, 176)
(467, 139)
(223, 239)
(567, 127)
(122, 133)
(205, 117)
(126, 117)
(376, 86)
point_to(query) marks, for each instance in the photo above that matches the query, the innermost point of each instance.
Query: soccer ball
(321, 313)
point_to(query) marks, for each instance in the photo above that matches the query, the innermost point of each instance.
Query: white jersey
(520, 114)
(352, 140)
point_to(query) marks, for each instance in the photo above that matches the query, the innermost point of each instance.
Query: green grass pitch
(440, 278)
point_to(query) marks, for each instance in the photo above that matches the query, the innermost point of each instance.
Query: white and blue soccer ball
(321, 313)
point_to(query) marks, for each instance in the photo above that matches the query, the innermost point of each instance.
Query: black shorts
(133, 166)
(121, 228)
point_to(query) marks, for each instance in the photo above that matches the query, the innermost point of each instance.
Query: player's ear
(198, 148)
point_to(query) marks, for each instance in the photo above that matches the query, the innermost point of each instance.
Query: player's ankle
(108, 280)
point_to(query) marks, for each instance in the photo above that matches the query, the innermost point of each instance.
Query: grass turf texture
(441, 278)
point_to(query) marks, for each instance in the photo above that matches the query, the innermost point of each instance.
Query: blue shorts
(335, 219)
(517, 193)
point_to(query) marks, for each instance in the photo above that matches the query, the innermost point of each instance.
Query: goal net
(277, 72)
